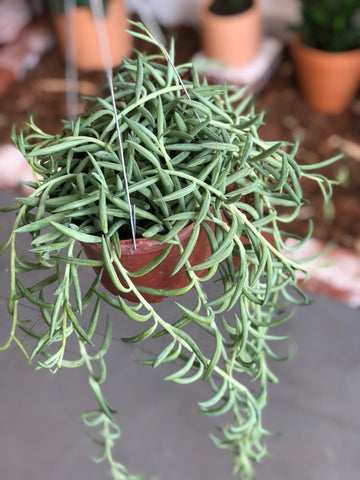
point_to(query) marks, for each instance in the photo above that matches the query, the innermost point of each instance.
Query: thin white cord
(148, 18)
(71, 74)
(97, 9)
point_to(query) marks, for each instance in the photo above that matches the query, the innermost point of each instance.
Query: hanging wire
(71, 73)
(97, 8)
(148, 18)
(98, 11)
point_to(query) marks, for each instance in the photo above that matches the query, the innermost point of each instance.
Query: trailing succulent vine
(194, 157)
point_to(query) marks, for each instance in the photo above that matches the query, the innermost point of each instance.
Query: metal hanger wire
(97, 8)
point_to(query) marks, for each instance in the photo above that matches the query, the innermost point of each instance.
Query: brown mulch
(42, 94)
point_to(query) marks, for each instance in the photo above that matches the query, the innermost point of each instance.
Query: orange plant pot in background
(88, 55)
(233, 39)
(328, 81)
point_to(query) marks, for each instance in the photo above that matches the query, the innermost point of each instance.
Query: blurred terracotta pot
(161, 277)
(87, 54)
(328, 81)
(232, 39)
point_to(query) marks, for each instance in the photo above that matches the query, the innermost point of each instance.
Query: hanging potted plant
(176, 165)
(230, 30)
(75, 21)
(326, 53)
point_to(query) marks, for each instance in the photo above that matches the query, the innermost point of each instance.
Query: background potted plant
(230, 30)
(80, 25)
(187, 158)
(326, 53)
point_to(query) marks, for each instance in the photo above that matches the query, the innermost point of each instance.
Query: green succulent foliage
(330, 25)
(60, 5)
(195, 158)
(230, 7)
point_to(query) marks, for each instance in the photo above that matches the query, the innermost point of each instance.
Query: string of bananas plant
(193, 156)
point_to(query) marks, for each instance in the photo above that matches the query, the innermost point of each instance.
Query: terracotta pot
(328, 81)
(233, 39)
(88, 55)
(146, 250)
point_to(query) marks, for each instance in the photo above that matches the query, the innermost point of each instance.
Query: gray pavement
(314, 407)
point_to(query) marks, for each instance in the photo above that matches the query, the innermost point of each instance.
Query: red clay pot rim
(127, 245)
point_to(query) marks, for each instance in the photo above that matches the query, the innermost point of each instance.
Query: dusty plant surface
(42, 94)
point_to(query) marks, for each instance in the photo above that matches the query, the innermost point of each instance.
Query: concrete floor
(314, 406)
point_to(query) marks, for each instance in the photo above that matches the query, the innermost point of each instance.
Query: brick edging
(333, 272)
